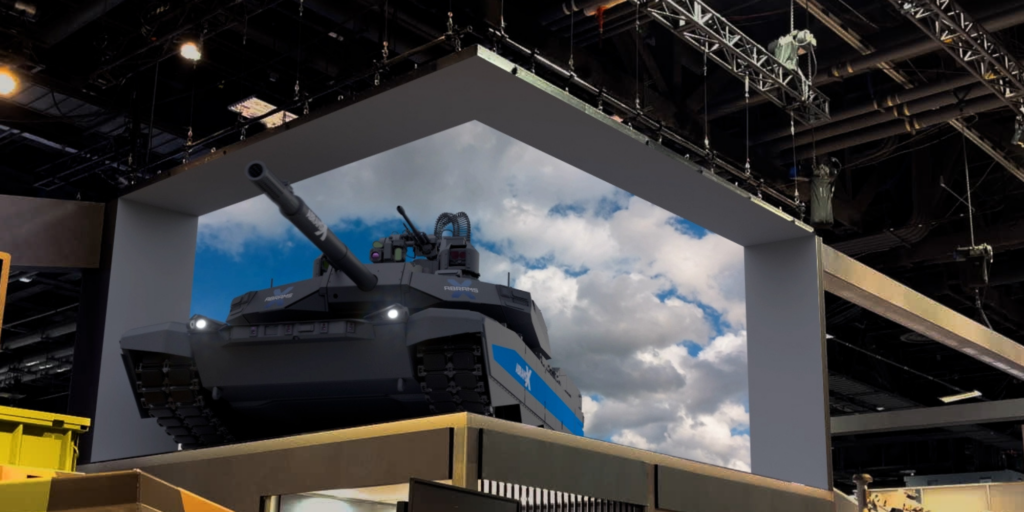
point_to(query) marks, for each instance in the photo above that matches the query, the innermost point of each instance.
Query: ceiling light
(880, 408)
(961, 396)
(190, 51)
(8, 82)
(393, 314)
(253, 107)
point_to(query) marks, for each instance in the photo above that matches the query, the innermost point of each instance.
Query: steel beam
(929, 417)
(864, 286)
(707, 31)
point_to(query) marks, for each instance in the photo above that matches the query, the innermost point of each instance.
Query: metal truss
(971, 45)
(707, 31)
(856, 41)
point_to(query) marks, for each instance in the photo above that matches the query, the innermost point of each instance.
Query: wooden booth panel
(1007, 497)
(955, 499)
(684, 491)
(545, 465)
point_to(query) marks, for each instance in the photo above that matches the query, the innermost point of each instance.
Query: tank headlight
(392, 314)
(200, 323)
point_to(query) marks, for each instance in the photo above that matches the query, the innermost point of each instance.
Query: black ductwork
(564, 9)
(875, 118)
(993, 22)
(900, 127)
(883, 104)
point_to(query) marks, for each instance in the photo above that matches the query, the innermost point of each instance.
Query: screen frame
(5, 271)
(429, 483)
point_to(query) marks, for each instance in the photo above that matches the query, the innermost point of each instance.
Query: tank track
(169, 388)
(452, 376)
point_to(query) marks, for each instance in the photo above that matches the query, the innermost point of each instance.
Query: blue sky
(645, 310)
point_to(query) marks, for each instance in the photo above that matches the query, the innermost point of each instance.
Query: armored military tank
(414, 333)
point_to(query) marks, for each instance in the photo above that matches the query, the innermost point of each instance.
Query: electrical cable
(796, 174)
(572, 35)
(967, 175)
(707, 129)
(636, 21)
(152, 112)
(746, 100)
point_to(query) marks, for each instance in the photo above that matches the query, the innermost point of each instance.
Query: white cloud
(608, 273)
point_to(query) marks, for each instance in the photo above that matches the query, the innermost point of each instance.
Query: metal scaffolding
(971, 45)
(709, 32)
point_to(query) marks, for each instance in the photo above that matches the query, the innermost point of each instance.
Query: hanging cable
(796, 184)
(298, 57)
(191, 114)
(707, 131)
(572, 34)
(636, 22)
(384, 45)
(792, 16)
(384, 50)
(967, 176)
(746, 100)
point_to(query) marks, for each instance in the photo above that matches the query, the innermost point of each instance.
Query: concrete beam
(929, 417)
(866, 287)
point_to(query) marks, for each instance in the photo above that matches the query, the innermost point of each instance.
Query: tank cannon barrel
(298, 213)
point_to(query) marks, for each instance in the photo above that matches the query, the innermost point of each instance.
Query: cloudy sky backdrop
(645, 310)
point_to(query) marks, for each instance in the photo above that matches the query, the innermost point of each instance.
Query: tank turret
(414, 332)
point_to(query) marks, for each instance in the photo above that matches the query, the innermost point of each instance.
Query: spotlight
(201, 323)
(190, 51)
(393, 314)
(8, 82)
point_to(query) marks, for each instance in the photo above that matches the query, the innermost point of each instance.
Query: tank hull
(233, 383)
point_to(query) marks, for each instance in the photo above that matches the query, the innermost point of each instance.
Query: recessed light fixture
(253, 107)
(961, 396)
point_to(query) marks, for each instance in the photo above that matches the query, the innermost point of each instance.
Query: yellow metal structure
(5, 270)
(8, 473)
(33, 439)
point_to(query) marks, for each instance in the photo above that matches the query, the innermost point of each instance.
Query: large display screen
(645, 311)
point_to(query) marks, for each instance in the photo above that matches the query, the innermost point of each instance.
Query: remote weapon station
(414, 333)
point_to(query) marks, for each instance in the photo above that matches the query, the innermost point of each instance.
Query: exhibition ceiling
(106, 102)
